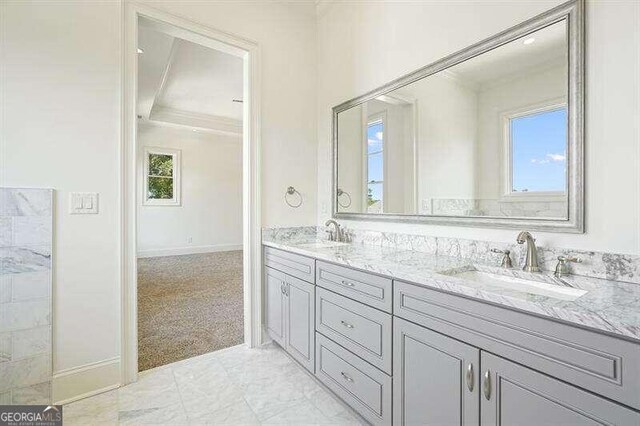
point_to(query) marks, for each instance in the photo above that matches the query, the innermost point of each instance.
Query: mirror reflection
(485, 137)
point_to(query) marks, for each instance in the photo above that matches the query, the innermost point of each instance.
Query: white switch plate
(83, 203)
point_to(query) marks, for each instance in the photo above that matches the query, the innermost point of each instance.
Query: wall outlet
(83, 203)
(323, 208)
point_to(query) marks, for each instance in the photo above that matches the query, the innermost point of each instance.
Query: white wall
(61, 128)
(447, 139)
(287, 38)
(209, 217)
(362, 46)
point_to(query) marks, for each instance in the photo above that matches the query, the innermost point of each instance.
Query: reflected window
(538, 151)
(375, 165)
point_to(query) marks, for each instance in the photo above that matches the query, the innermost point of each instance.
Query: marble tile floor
(234, 386)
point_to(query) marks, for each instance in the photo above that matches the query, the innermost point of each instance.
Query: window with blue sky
(538, 151)
(375, 163)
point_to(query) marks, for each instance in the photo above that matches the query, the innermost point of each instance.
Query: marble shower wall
(26, 222)
(611, 266)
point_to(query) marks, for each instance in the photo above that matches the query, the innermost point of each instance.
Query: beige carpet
(188, 305)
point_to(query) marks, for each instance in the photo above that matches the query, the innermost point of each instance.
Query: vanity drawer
(597, 362)
(365, 388)
(370, 289)
(361, 329)
(293, 264)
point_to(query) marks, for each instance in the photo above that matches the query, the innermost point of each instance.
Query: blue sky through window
(375, 163)
(538, 150)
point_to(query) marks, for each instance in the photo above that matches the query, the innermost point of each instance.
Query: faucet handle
(506, 259)
(346, 235)
(573, 259)
(562, 268)
(331, 234)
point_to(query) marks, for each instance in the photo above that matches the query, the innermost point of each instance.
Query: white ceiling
(505, 62)
(511, 59)
(186, 84)
(151, 66)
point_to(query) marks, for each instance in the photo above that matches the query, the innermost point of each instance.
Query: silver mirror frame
(573, 13)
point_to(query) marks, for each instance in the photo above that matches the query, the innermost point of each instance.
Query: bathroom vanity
(405, 337)
(490, 136)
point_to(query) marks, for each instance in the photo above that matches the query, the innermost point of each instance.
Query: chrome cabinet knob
(470, 378)
(486, 385)
(346, 377)
(346, 324)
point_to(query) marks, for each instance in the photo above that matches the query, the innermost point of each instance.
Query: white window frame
(508, 193)
(369, 119)
(177, 180)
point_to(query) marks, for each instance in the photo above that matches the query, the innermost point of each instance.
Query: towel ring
(340, 193)
(290, 191)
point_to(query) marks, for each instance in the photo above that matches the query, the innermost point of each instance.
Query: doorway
(189, 137)
(154, 177)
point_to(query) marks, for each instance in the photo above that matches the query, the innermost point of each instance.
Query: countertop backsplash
(610, 266)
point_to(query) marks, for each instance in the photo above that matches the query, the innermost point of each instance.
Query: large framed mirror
(490, 136)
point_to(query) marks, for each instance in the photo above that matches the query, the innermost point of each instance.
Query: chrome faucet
(531, 262)
(337, 234)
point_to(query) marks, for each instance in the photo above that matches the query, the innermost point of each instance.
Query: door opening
(191, 274)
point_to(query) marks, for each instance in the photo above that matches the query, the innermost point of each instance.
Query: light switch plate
(83, 203)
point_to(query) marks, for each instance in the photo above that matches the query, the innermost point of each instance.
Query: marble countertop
(609, 306)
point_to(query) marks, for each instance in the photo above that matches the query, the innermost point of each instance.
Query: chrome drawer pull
(470, 377)
(346, 324)
(487, 385)
(347, 283)
(346, 377)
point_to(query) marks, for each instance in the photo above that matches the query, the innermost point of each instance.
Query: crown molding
(206, 122)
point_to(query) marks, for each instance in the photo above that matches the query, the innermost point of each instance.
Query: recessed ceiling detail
(184, 84)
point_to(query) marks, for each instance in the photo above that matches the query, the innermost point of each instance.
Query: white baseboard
(176, 251)
(87, 380)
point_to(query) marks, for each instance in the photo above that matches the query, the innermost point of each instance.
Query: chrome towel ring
(291, 191)
(348, 201)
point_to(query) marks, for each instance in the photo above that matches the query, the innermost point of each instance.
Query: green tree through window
(160, 186)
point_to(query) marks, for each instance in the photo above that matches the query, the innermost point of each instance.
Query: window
(537, 146)
(375, 165)
(161, 177)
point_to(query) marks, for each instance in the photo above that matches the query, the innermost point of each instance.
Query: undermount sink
(509, 280)
(322, 244)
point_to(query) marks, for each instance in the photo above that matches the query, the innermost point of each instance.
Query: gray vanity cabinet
(405, 354)
(516, 395)
(274, 304)
(435, 378)
(289, 315)
(299, 321)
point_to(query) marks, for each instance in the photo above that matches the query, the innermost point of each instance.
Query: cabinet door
(274, 316)
(299, 329)
(515, 395)
(435, 378)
